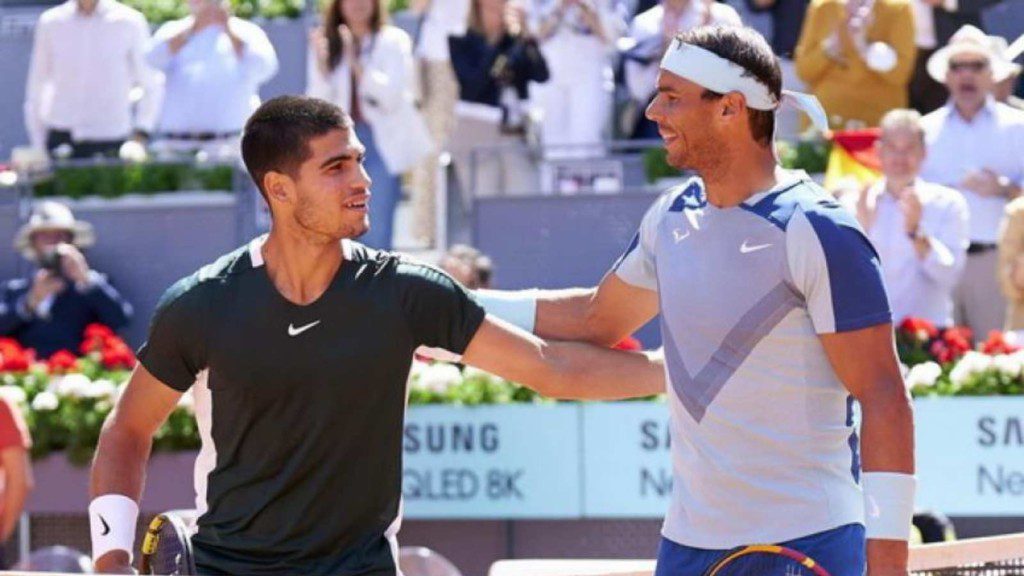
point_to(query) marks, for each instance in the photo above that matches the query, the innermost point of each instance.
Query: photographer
(50, 310)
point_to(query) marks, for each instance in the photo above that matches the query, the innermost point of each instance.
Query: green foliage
(807, 154)
(160, 11)
(444, 384)
(114, 181)
(656, 165)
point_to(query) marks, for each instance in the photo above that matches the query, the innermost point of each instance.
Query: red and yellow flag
(853, 157)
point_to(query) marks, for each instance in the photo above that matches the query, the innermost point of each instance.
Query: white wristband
(519, 308)
(112, 519)
(888, 505)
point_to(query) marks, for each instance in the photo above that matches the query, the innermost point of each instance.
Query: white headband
(720, 75)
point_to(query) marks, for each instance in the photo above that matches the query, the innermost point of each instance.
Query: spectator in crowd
(1011, 264)
(15, 471)
(439, 90)
(469, 266)
(365, 66)
(577, 38)
(976, 145)
(918, 228)
(50, 310)
(87, 57)
(494, 63)
(650, 34)
(787, 18)
(857, 57)
(213, 65)
(935, 22)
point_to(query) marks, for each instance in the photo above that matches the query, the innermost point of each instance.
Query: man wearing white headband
(774, 319)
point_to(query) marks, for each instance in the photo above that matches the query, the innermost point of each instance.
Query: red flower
(996, 344)
(941, 352)
(14, 358)
(18, 362)
(96, 330)
(62, 362)
(117, 355)
(918, 328)
(629, 344)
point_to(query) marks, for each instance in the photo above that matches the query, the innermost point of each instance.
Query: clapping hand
(983, 182)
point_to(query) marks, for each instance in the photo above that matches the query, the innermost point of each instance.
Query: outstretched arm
(626, 299)
(603, 315)
(563, 369)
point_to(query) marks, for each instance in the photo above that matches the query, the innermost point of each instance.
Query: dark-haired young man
(306, 339)
(773, 317)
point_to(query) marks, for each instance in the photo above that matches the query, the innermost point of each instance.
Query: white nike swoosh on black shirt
(293, 331)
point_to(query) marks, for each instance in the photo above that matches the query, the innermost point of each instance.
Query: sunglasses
(972, 65)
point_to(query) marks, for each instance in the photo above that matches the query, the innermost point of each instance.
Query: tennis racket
(167, 547)
(765, 560)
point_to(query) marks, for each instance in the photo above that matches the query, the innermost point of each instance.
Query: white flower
(71, 386)
(13, 394)
(1007, 364)
(474, 372)
(970, 364)
(187, 402)
(924, 375)
(45, 401)
(102, 388)
(439, 378)
(132, 151)
(417, 369)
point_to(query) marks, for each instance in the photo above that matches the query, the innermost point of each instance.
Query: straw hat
(970, 40)
(50, 215)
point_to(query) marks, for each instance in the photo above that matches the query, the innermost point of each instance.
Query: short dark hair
(276, 137)
(746, 47)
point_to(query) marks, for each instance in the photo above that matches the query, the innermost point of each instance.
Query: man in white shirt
(86, 61)
(918, 228)
(651, 32)
(214, 65)
(976, 145)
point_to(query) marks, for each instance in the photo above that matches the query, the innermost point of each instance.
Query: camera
(51, 260)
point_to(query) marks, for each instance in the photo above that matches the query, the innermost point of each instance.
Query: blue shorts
(841, 551)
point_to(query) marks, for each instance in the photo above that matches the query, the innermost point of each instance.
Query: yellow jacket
(850, 90)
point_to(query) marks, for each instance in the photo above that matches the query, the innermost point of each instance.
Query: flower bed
(66, 398)
(943, 362)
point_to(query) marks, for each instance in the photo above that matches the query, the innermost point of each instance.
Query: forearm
(569, 315)
(15, 493)
(585, 372)
(236, 41)
(938, 262)
(120, 463)
(887, 433)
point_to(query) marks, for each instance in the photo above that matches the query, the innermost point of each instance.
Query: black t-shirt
(303, 407)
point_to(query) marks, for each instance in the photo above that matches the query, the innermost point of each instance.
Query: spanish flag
(853, 158)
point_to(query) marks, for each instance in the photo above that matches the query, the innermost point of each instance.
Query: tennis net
(992, 556)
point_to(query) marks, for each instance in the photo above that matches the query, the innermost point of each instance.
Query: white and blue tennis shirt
(763, 444)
